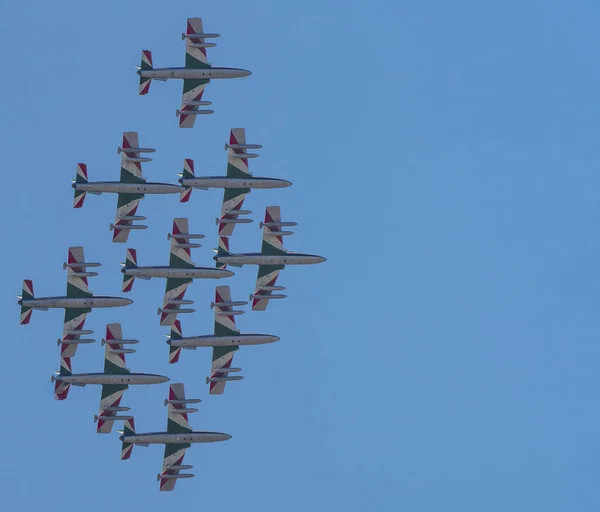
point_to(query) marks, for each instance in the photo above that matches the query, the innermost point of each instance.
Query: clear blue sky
(445, 161)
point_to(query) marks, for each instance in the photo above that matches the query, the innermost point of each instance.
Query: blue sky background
(445, 161)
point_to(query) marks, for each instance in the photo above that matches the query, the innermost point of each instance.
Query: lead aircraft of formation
(180, 272)
(196, 73)
(177, 439)
(78, 302)
(271, 260)
(115, 379)
(131, 188)
(224, 342)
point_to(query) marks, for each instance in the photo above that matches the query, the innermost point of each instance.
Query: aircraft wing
(180, 257)
(193, 89)
(233, 198)
(131, 172)
(177, 423)
(222, 357)
(114, 364)
(77, 287)
(267, 274)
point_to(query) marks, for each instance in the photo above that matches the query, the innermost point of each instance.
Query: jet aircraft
(271, 260)
(131, 188)
(237, 183)
(178, 437)
(196, 73)
(179, 273)
(224, 342)
(78, 302)
(115, 379)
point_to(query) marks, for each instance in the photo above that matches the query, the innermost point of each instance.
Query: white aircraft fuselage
(166, 438)
(225, 182)
(257, 258)
(82, 379)
(170, 272)
(118, 187)
(201, 73)
(223, 341)
(75, 302)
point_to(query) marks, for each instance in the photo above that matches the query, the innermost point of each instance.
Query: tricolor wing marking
(74, 321)
(127, 205)
(193, 89)
(174, 454)
(222, 358)
(111, 397)
(175, 290)
(131, 172)
(267, 276)
(77, 287)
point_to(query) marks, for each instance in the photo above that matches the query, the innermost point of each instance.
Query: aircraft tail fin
(127, 448)
(61, 389)
(26, 294)
(175, 335)
(145, 65)
(130, 262)
(187, 174)
(223, 250)
(81, 176)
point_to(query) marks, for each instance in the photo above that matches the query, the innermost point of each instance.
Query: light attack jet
(224, 342)
(271, 260)
(115, 379)
(177, 439)
(196, 73)
(131, 188)
(237, 182)
(78, 302)
(180, 272)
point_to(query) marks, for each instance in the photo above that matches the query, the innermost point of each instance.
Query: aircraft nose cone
(227, 273)
(320, 259)
(164, 379)
(244, 72)
(128, 301)
(225, 437)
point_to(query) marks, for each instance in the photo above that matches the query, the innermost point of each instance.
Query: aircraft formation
(178, 274)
